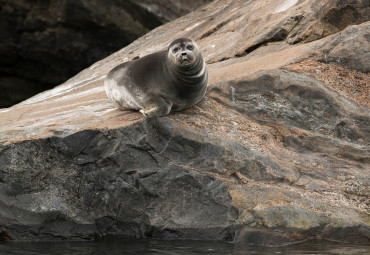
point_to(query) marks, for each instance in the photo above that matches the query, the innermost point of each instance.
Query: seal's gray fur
(173, 79)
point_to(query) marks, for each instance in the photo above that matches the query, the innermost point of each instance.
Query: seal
(172, 79)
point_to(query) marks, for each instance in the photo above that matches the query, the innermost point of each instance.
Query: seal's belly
(123, 97)
(184, 103)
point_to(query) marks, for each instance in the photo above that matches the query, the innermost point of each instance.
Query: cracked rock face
(277, 152)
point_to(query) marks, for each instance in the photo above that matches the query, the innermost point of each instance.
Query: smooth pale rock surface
(277, 152)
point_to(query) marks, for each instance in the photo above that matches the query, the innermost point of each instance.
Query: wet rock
(277, 152)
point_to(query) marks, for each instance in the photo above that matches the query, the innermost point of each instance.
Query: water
(177, 247)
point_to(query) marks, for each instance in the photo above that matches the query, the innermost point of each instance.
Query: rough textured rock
(277, 152)
(43, 43)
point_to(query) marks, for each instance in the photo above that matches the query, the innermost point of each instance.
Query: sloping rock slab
(277, 152)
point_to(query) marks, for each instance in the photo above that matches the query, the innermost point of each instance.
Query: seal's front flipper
(160, 109)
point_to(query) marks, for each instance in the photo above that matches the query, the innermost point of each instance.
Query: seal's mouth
(184, 60)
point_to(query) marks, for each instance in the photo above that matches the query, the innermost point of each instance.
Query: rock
(42, 44)
(276, 153)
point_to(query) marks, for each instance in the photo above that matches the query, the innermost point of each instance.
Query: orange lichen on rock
(343, 80)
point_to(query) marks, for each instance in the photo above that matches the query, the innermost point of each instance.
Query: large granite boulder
(43, 43)
(277, 152)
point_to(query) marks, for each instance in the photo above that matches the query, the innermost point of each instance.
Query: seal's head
(183, 52)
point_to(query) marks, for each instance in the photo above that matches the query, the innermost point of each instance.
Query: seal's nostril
(183, 53)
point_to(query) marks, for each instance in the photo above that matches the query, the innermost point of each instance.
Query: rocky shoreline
(277, 152)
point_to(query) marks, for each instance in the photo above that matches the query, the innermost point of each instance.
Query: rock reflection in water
(176, 247)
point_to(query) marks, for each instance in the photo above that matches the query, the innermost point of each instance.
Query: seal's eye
(176, 49)
(189, 47)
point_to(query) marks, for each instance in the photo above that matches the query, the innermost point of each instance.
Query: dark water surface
(176, 247)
